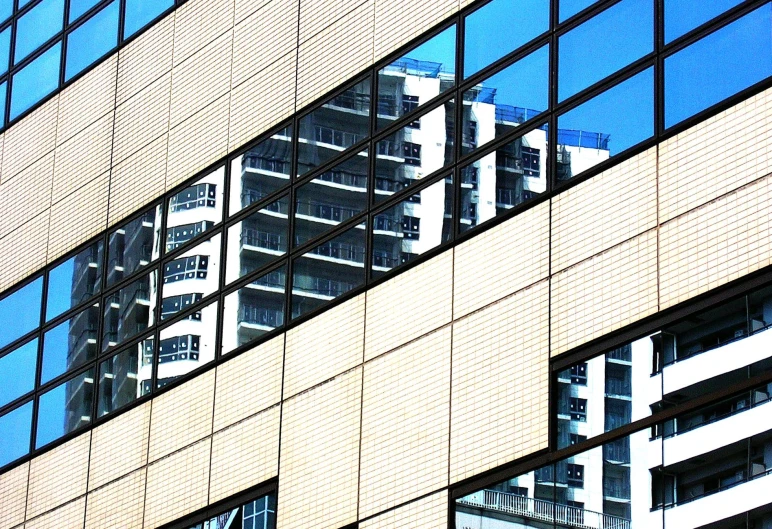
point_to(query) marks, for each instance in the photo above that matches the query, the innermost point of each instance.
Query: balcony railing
(410, 66)
(616, 488)
(341, 250)
(352, 100)
(582, 138)
(344, 178)
(266, 164)
(321, 287)
(321, 210)
(509, 197)
(263, 239)
(619, 386)
(335, 137)
(511, 114)
(389, 148)
(261, 316)
(742, 478)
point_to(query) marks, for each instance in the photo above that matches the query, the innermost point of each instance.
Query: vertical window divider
(64, 34)
(121, 20)
(291, 219)
(458, 131)
(220, 326)
(552, 96)
(371, 166)
(659, 68)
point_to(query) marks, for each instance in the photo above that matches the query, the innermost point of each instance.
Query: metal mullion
(659, 68)
(458, 131)
(288, 281)
(64, 377)
(18, 402)
(583, 16)
(123, 283)
(223, 260)
(62, 59)
(370, 193)
(503, 140)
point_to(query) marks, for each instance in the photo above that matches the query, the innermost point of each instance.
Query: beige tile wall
(430, 512)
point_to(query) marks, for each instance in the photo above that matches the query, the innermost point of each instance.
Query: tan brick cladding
(430, 512)
(13, 496)
(70, 516)
(119, 504)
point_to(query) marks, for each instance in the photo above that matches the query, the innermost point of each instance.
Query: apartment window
(531, 159)
(410, 103)
(196, 196)
(192, 267)
(411, 227)
(179, 235)
(412, 153)
(173, 304)
(575, 475)
(579, 374)
(578, 409)
(179, 348)
(575, 438)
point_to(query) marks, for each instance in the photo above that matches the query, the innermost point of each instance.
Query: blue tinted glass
(140, 12)
(37, 26)
(38, 79)
(65, 408)
(606, 125)
(17, 371)
(22, 3)
(78, 7)
(718, 66)
(17, 427)
(70, 344)
(619, 35)
(501, 27)
(5, 50)
(6, 9)
(3, 91)
(97, 36)
(20, 312)
(74, 281)
(569, 8)
(682, 16)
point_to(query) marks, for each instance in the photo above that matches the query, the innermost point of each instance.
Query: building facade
(488, 264)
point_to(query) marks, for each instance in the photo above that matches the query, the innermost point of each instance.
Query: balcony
(261, 317)
(269, 165)
(334, 137)
(274, 242)
(341, 251)
(320, 288)
(351, 100)
(344, 178)
(312, 209)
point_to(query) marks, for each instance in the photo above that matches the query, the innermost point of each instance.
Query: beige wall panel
(119, 504)
(320, 455)
(137, 180)
(119, 446)
(199, 22)
(325, 346)
(245, 454)
(336, 53)
(28, 195)
(197, 142)
(83, 157)
(690, 172)
(427, 513)
(409, 305)
(69, 516)
(23, 251)
(78, 217)
(397, 23)
(142, 118)
(604, 293)
(716, 243)
(628, 192)
(177, 485)
(88, 99)
(500, 407)
(30, 139)
(244, 8)
(316, 16)
(182, 416)
(13, 495)
(58, 476)
(264, 37)
(502, 260)
(2, 144)
(249, 383)
(145, 59)
(405, 424)
(262, 101)
(201, 79)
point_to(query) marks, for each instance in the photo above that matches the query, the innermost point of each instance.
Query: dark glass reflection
(334, 127)
(74, 281)
(125, 377)
(602, 36)
(255, 514)
(569, 8)
(140, 13)
(254, 310)
(260, 171)
(743, 48)
(70, 344)
(258, 239)
(414, 151)
(187, 345)
(78, 7)
(606, 125)
(331, 198)
(192, 276)
(419, 75)
(328, 270)
(20, 311)
(36, 80)
(682, 16)
(413, 227)
(65, 408)
(195, 209)
(5, 51)
(18, 427)
(130, 310)
(37, 26)
(500, 27)
(17, 371)
(93, 39)
(134, 245)
(513, 174)
(503, 101)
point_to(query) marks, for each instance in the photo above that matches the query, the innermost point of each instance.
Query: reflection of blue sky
(718, 66)
(525, 83)
(97, 36)
(37, 26)
(440, 49)
(78, 7)
(5, 50)
(6, 9)
(682, 16)
(20, 312)
(55, 349)
(569, 8)
(38, 79)
(14, 439)
(140, 12)
(17, 372)
(59, 294)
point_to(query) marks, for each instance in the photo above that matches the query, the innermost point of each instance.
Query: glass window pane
(569, 8)
(19, 423)
(193, 275)
(6, 9)
(421, 74)
(17, 371)
(21, 312)
(606, 125)
(74, 281)
(187, 345)
(682, 16)
(415, 151)
(92, 40)
(258, 239)
(78, 7)
(65, 408)
(125, 377)
(3, 93)
(334, 127)
(130, 310)
(328, 270)
(70, 344)
(412, 227)
(513, 174)
(331, 198)
(195, 209)
(500, 27)
(503, 101)
(134, 245)
(22, 3)
(254, 310)
(37, 26)
(620, 34)
(5, 50)
(743, 48)
(140, 13)
(36, 80)
(260, 171)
